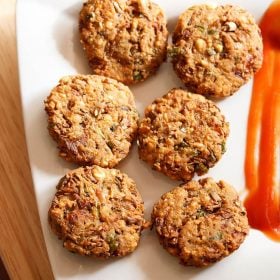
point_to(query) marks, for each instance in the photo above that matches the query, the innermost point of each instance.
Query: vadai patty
(124, 40)
(200, 222)
(92, 118)
(97, 212)
(216, 49)
(182, 134)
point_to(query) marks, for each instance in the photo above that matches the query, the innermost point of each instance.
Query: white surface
(49, 48)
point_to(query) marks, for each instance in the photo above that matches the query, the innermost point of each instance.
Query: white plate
(49, 48)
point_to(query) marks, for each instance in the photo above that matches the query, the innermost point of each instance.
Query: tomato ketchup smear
(263, 133)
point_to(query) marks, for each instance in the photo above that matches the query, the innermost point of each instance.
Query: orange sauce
(263, 133)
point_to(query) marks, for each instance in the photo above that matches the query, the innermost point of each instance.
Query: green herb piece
(200, 168)
(172, 52)
(195, 153)
(224, 149)
(111, 239)
(212, 31)
(200, 28)
(200, 213)
(137, 76)
(217, 236)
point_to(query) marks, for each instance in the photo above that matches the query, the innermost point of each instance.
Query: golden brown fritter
(182, 134)
(123, 39)
(216, 49)
(200, 222)
(92, 118)
(97, 212)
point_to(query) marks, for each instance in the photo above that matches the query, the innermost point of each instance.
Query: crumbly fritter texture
(97, 212)
(182, 134)
(200, 222)
(216, 50)
(92, 118)
(123, 39)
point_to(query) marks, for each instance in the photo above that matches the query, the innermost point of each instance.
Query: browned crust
(216, 50)
(200, 222)
(97, 212)
(182, 134)
(124, 40)
(93, 119)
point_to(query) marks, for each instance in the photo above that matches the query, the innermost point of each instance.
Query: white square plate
(49, 48)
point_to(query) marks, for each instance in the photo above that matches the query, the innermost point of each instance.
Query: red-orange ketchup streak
(263, 135)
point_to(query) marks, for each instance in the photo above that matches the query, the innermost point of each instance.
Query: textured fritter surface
(182, 134)
(123, 39)
(200, 222)
(92, 118)
(216, 50)
(97, 212)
